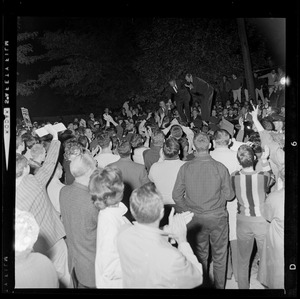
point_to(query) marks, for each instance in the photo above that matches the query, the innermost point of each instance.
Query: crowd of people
(153, 197)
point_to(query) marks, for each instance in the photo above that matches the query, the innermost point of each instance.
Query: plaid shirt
(202, 186)
(31, 196)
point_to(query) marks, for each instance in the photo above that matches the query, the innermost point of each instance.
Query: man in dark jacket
(202, 91)
(179, 93)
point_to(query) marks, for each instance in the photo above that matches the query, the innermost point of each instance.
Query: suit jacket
(201, 87)
(80, 218)
(134, 176)
(182, 91)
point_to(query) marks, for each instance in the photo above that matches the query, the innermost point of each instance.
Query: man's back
(35, 271)
(79, 217)
(163, 175)
(133, 173)
(227, 157)
(149, 261)
(202, 184)
(103, 159)
(151, 156)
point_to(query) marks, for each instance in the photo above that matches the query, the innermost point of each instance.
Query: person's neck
(84, 180)
(154, 224)
(220, 146)
(248, 169)
(106, 150)
(128, 158)
(198, 154)
(173, 158)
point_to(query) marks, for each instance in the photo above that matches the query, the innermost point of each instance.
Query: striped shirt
(251, 190)
(31, 196)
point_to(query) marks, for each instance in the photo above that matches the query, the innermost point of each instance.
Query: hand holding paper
(50, 129)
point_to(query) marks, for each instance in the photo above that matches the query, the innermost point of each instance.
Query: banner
(26, 117)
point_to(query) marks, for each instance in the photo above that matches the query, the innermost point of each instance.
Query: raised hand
(176, 228)
(254, 113)
(266, 153)
(49, 128)
(241, 123)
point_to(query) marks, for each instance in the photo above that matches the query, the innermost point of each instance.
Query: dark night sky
(273, 29)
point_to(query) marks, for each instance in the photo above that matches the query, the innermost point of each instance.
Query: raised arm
(45, 172)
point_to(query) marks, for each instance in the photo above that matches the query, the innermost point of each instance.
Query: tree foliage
(25, 57)
(88, 63)
(105, 67)
(208, 48)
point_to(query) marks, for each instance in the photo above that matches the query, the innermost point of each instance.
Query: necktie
(175, 88)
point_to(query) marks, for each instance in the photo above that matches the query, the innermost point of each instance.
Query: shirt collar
(119, 210)
(150, 229)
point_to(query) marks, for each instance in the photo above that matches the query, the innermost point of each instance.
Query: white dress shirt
(228, 157)
(53, 191)
(163, 175)
(104, 159)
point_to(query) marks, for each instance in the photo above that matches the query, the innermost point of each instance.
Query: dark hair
(29, 140)
(106, 187)
(176, 131)
(104, 139)
(171, 147)
(267, 124)
(255, 138)
(246, 156)
(124, 148)
(72, 147)
(81, 130)
(137, 141)
(82, 139)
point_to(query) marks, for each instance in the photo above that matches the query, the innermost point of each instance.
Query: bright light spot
(285, 81)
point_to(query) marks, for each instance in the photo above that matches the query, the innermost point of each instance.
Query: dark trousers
(205, 102)
(183, 101)
(210, 230)
(224, 95)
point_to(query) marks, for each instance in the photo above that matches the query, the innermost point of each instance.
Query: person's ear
(214, 143)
